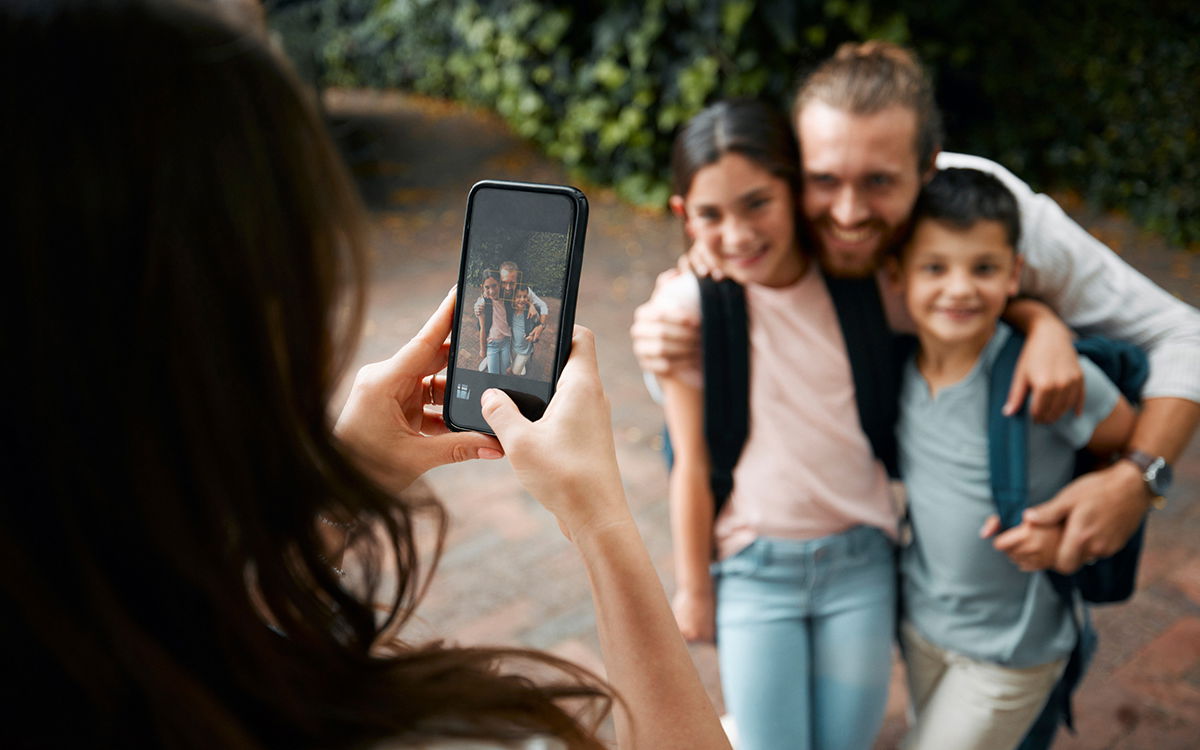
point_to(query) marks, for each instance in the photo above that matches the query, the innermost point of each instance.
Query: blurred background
(1098, 96)
(1093, 102)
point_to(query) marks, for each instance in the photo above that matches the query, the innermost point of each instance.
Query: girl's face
(491, 288)
(746, 217)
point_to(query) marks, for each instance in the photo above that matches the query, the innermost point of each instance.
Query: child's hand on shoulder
(1030, 547)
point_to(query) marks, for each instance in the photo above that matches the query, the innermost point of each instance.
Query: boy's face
(521, 299)
(490, 288)
(957, 282)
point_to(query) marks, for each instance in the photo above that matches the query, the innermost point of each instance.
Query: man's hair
(508, 265)
(863, 78)
(963, 197)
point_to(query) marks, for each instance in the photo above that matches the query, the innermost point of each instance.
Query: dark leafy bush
(1096, 96)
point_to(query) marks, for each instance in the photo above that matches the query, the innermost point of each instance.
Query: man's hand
(1030, 547)
(664, 339)
(1048, 370)
(1099, 511)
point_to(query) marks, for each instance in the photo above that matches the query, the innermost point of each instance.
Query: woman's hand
(393, 420)
(566, 459)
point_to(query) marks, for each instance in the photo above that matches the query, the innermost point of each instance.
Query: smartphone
(518, 280)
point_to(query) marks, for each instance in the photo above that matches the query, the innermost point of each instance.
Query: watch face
(1158, 477)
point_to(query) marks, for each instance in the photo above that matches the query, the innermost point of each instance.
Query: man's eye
(880, 180)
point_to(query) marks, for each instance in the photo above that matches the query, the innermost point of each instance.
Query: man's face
(860, 181)
(508, 282)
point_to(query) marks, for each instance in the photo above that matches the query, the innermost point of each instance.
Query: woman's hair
(748, 127)
(184, 284)
(866, 77)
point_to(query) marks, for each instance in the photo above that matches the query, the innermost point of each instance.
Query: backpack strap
(876, 355)
(1008, 439)
(1109, 580)
(724, 334)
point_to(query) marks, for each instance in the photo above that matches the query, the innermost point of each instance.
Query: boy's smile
(957, 282)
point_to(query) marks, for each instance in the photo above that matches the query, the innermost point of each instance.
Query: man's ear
(930, 168)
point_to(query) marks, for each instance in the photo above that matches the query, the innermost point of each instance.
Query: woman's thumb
(501, 413)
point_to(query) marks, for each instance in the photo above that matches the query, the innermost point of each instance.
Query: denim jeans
(804, 635)
(499, 354)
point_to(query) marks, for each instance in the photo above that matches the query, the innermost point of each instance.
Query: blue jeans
(804, 633)
(499, 356)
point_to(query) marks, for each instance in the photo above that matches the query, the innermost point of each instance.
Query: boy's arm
(691, 511)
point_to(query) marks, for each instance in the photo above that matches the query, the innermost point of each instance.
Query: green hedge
(1097, 97)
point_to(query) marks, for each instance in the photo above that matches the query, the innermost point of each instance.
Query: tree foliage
(1097, 96)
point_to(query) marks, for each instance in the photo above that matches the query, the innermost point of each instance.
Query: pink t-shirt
(500, 329)
(807, 469)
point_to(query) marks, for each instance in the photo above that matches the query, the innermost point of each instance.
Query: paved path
(507, 575)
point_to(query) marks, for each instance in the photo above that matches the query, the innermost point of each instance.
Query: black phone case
(529, 407)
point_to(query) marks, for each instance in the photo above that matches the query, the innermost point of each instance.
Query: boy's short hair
(963, 197)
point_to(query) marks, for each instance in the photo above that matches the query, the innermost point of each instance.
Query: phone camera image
(516, 292)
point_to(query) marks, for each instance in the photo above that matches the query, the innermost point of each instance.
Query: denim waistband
(851, 544)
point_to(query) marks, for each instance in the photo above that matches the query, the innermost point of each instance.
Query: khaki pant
(966, 704)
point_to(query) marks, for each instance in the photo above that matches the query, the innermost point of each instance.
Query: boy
(527, 326)
(985, 637)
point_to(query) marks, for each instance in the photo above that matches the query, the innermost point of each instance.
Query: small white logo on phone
(463, 390)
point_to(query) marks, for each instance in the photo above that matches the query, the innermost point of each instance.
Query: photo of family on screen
(511, 328)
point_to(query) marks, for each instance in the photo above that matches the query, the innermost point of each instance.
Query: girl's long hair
(184, 277)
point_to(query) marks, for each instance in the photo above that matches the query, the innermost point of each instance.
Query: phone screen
(513, 292)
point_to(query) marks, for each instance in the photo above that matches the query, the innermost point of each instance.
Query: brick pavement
(508, 576)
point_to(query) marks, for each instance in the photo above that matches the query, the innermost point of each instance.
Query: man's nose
(848, 208)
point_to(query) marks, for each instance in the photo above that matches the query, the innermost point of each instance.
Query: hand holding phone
(517, 285)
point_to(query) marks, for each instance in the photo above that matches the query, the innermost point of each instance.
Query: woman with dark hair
(185, 280)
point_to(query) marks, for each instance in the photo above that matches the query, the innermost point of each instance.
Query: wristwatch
(1156, 473)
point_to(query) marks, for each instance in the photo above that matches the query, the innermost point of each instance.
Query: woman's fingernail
(490, 453)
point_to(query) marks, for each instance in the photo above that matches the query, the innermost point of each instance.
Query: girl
(801, 598)
(495, 332)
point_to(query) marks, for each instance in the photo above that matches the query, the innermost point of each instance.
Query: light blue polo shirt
(960, 592)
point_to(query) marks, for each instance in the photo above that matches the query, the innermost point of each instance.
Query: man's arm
(1102, 509)
(665, 337)
(538, 304)
(1095, 292)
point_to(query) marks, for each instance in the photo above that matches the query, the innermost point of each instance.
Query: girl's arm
(663, 704)
(691, 511)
